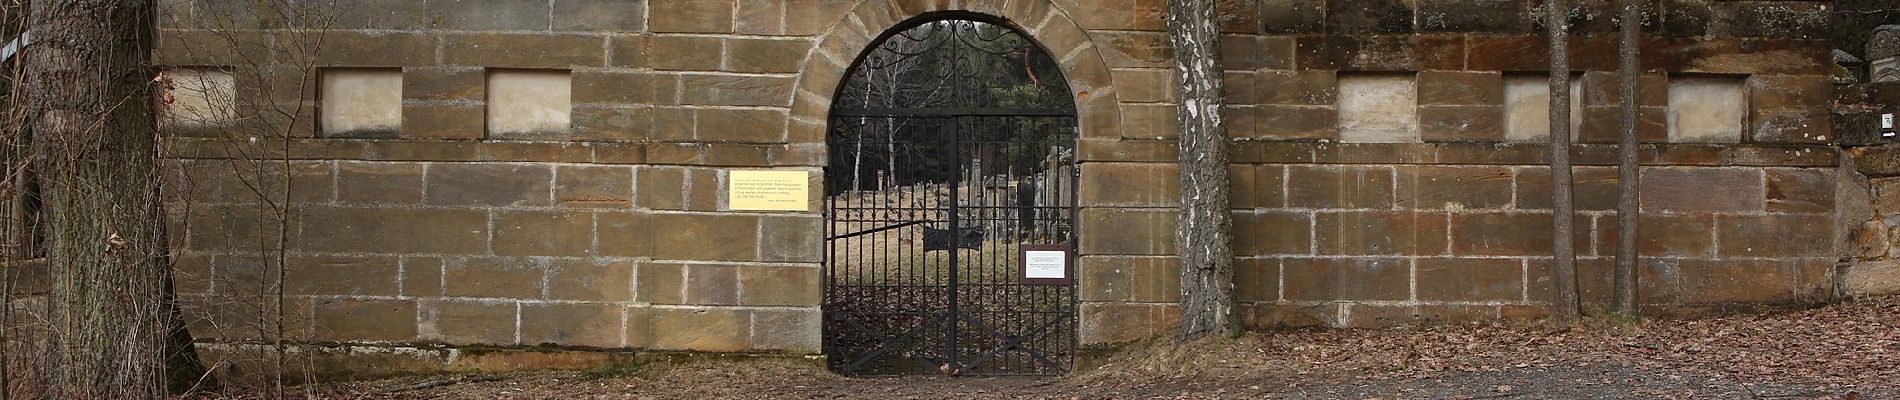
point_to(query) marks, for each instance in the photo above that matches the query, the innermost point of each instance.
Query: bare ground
(1850, 350)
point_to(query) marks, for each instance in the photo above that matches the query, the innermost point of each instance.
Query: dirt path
(1824, 353)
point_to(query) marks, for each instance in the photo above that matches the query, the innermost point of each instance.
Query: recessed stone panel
(1527, 108)
(1706, 109)
(360, 102)
(197, 98)
(529, 103)
(1378, 108)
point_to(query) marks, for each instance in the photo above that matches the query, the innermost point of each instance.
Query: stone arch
(1098, 113)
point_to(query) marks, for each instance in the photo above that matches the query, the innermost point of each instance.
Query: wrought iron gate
(952, 150)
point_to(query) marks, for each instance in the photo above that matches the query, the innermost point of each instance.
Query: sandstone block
(1453, 187)
(599, 15)
(1349, 187)
(378, 230)
(1127, 231)
(571, 324)
(1774, 235)
(590, 280)
(513, 278)
(360, 320)
(1702, 189)
(691, 16)
(624, 234)
(501, 50)
(593, 186)
(498, 185)
(780, 285)
(470, 322)
(701, 329)
(1324, 279)
(705, 237)
(661, 283)
(1470, 279)
(1380, 233)
(799, 331)
(1272, 232)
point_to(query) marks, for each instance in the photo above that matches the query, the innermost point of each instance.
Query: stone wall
(472, 216)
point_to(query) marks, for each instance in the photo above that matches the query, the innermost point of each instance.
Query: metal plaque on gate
(1046, 264)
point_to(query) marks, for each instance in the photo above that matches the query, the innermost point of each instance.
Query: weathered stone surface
(705, 237)
(1487, 16)
(1708, 281)
(741, 125)
(1501, 234)
(384, 230)
(469, 322)
(1292, 16)
(485, 184)
(1105, 323)
(780, 285)
(571, 324)
(442, 83)
(530, 104)
(1255, 280)
(1470, 279)
(1296, 122)
(1702, 189)
(798, 331)
(593, 186)
(342, 275)
(1325, 279)
(704, 329)
(1460, 88)
(1706, 109)
(1370, 16)
(1256, 186)
(1453, 187)
(590, 280)
(691, 16)
(1277, 316)
(353, 319)
(600, 15)
(1378, 108)
(623, 234)
(735, 90)
(1130, 185)
(766, 55)
(1272, 232)
(661, 283)
(497, 50)
(513, 278)
(421, 276)
(442, 122)
(1593, 188)
(1774, 235)
(1376, 233)
(1382, 52)
(1662, 235)
(1872, 278)
(791, 239)
(1800, 190)
(1128, 231)
(1348, 187)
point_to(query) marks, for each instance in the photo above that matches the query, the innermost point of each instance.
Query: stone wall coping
(1755, 155)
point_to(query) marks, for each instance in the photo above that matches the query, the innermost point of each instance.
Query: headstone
(1883, 54)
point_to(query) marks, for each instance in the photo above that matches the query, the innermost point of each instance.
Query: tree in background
(1205, 232)
(114, 329)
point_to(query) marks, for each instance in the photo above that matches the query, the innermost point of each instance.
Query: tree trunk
(1205, 230)
(114, 330)
(1564, 267)
(1628, 171)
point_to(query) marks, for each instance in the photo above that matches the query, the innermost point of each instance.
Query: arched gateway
(950, 205)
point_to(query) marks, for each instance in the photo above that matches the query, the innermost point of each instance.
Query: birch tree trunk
(115, 327)
(1204, 234)
(1564, 266)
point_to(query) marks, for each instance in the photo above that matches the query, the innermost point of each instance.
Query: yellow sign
(748, 190)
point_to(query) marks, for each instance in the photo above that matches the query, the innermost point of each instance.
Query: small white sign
(1044, 264)
(1886, 121)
